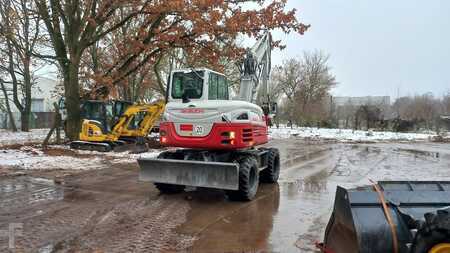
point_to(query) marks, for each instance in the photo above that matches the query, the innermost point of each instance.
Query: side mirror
(273, 108)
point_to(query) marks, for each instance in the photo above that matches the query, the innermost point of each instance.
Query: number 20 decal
(198, 129)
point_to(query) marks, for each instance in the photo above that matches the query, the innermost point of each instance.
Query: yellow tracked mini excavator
(117, 126)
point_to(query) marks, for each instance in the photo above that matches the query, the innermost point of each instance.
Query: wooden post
(56, 126)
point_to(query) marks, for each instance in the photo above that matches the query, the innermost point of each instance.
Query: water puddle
(292, 216)
(419, 153)
(22, 191)
(46, 249)
(294, 158)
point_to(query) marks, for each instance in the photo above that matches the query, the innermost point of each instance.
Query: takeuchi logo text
(192, 110)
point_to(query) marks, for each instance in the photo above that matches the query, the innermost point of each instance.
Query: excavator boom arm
(255, 72)
(152, 113)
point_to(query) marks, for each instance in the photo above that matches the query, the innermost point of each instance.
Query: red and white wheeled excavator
(217, 137)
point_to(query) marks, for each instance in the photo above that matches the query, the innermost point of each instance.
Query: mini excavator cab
(106, 113)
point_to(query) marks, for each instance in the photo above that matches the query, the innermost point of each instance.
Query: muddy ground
(108, 210)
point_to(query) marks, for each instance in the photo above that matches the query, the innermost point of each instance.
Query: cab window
(217, 87)
(212, 86)
(222, 88)
(189, 84)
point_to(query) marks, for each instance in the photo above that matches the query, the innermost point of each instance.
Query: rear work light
(228, 138)
(230, 135)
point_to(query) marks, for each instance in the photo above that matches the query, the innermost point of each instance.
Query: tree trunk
(8, 108)
(72, 94)
(56, 126)
(25, 114)
(158, 75)
(291, 118)
(25, 121)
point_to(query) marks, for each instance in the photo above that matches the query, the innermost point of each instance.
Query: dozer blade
(191, 173)
(359, 224)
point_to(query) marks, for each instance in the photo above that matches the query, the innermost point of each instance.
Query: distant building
(358, 101)
(381, 102)
(42, 98)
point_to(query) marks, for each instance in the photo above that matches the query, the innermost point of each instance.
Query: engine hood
(203, 114)
(207, 110)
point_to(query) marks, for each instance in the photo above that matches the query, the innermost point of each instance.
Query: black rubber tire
(248, 180)
(272, 172)
(433, 231)
(169, 188)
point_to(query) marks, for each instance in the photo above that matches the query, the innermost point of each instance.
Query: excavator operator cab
(197, 84)
(95, 110)
(105, 113)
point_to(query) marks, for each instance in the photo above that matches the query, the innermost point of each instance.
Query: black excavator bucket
(419, 210)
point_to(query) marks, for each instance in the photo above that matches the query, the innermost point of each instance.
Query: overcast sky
(377, 47)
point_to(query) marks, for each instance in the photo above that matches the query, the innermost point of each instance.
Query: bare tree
(370, 114)
(306, 83)
(317, 78)
(422, 110)
(7, 106)
(346, 113)
(20, 32)
(287, 79)
(446, 104)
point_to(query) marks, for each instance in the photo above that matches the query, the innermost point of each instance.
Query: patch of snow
(37, 160)
(344, 134)
(34, 135)
(126, 157)
(31, 158)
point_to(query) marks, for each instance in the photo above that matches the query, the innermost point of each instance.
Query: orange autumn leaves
(206, 31)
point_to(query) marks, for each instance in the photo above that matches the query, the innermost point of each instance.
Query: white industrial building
(358, 101)
(43, 95)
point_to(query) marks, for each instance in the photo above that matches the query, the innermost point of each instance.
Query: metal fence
(37, 120)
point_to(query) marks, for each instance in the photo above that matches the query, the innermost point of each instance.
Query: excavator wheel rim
(440, 248)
